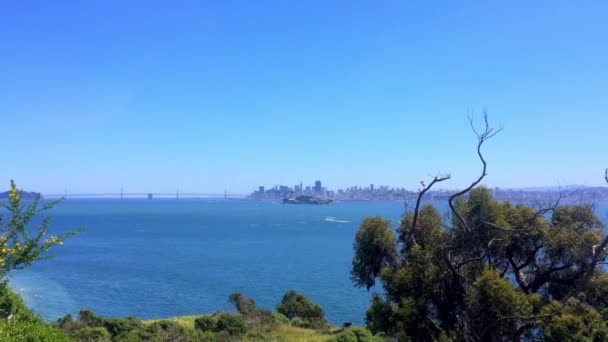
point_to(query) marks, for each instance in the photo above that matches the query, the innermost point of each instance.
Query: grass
(296, 334)
(184, 321)
(288, 332)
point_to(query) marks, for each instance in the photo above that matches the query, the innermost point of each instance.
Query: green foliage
(30, 331)
(88, 318)
(234, 325)
(11, 305)
(90, 327)
(381, 316)
(374, 250)
(301, 311)
(117, 326)
(18, 247)
(280, 318)
(166, 330)
(19, 323)
(574, 321)
(91, 334)
(503, 272)
(355, 334)
(496, 307)
(244, 305)
(206, 323)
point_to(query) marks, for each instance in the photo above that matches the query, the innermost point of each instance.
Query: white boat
(333, 219)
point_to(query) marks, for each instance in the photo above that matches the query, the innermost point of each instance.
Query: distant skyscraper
(301, 188)
(371, 187)
(318, 187)
(261, 190)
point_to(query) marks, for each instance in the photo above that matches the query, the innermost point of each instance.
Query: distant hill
(23, 194)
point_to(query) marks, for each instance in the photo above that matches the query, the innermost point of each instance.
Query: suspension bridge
(149, 195)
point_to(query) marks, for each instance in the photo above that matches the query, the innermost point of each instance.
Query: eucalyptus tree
(491, 271)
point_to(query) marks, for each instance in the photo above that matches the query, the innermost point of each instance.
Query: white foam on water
(45, 296)
(333, 219)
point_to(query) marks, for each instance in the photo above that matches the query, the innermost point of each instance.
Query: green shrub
(205, 336)
(280, 318)
(89, 319)
(131, 336)
(21, 243)
(11, 305)
(233, 324)
(91, 334)
(166, 329)
(259, 322)
(345, 336)
(355, 334)
(224, 336)
(244, 305)
(297, 322)
(22, 331)
(295, 305)
(117, 326)
(206, 323)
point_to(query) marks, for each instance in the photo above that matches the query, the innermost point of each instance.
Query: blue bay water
(163, 258)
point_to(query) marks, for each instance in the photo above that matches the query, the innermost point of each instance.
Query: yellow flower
(13, 195)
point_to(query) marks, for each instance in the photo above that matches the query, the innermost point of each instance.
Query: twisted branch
(436, 179)
(487, 133)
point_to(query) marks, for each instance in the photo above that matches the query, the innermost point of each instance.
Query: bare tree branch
(487, 133)
(436, 179)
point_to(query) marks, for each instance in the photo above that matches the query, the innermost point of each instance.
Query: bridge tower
(225, 193)
(177, 194)
(121, 194)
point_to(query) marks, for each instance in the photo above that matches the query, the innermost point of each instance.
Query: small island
(22, 194)
(303, 199)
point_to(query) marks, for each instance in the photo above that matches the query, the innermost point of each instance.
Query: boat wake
(333, 219)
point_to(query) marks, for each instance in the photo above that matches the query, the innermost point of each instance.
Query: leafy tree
(301, 311)
(492, 271)
(20, 245)
(374, 249)
(244, 305)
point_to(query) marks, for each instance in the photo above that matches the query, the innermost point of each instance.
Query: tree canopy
(491, 271)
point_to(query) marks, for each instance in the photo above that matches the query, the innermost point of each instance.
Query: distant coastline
(23, 194)
(385, 193)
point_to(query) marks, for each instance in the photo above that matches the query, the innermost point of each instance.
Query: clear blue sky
(207, 95)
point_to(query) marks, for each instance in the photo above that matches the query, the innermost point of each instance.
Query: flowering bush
(18, 246)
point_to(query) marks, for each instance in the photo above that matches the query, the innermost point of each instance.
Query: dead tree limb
(482, 137)
(436, 179)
